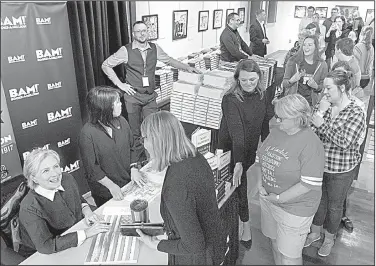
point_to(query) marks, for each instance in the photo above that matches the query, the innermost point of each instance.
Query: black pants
(138, 107)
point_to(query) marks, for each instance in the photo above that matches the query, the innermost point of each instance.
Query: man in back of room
(232, 46)
(308, 19)
(140, 59)
(257, 34)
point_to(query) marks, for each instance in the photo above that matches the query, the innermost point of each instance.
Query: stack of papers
(192, 78)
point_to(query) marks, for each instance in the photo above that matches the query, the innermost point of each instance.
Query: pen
(105, 223)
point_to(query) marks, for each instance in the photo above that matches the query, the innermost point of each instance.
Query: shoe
(326, 248)
(247, 244)
(348, 225)
(312, 237)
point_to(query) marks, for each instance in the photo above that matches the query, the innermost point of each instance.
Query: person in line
(301, 36)
(257, 34)
(357, 24)
(139, 58)
(364, 54)
(314, 29)
(327, 24)
(305, 71)
(340, 124)
(188, 201)
(289, 172)
(316, 19)
(52, 205)
(246, 115)
(336, 31)
(308, 19)
(232, 46)
(105, 144)
(344, 51)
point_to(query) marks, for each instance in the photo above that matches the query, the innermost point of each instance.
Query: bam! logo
(59, 115)
(26, 153)
(43, 21)
(49, 54)
(13, 23)
(63, 143)
(56, 85)
(17, 94)
(16, 59)
(28, 124)
(71, 167)
(4, 172)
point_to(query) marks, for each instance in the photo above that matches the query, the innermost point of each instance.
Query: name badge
(145, 81)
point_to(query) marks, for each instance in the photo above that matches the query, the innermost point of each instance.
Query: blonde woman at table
(188, 202)
(289, 178)
(52, 205)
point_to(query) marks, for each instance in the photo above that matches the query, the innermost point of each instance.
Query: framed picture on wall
(347, 11)
(229, 11)
(370, 14)
(203, 20)
(217, 18)
(151, 22)
(241, 12)
(300, 11)
(179, 24)
(322, 11)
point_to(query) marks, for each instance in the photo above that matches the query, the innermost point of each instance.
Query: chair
(9, 225)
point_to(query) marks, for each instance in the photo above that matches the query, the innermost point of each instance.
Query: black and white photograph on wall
(229, 11)
(370, 14)
(322, 11)
(241, 13)
(300, 11)
(217, 18)
(179, 24)
(203, 20)
(347, 11)
(151, 22)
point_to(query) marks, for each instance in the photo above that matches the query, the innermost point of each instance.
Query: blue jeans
(334, 192)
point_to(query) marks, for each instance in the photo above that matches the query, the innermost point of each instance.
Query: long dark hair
(298, 58)
(248, 65)
(100, 101)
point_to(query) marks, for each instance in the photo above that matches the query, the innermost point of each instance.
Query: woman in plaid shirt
(340, 124)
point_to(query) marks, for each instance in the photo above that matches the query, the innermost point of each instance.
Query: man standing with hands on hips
(140, 59)
(257, 34)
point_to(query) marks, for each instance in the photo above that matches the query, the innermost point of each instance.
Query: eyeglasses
(277, 118)
(140, 31)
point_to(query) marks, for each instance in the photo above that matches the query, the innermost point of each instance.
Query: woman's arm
(42, 238)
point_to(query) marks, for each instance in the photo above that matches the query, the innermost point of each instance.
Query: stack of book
(201, 139)
(193, 55)
(197, 62)
(218, 79)
(192, 78)
(163, 82)
(211, 60)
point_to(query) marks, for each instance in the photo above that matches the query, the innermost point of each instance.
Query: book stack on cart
(163, 82)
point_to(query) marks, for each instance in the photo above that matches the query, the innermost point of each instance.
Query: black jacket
(256, 35)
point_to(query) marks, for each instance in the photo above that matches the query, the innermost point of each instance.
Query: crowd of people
(303, 165)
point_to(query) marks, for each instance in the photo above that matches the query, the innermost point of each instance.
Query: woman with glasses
(340, 124)
(246, 115)
(305, 71)
(289, 169)
(105, 145)
(188, 202)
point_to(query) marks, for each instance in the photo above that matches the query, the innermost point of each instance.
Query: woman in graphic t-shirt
(305, 71)
(289, 174)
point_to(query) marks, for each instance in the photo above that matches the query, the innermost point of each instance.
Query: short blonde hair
(33, 161)
(294, 106)
(167, 136)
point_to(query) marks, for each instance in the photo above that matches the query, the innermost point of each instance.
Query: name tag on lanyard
(145, 78)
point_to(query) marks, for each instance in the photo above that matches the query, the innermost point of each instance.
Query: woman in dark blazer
(188, 202)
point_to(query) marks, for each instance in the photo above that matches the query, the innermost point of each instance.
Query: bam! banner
(10, 161)
(39, 80)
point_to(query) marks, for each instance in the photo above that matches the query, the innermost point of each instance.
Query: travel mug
(139, 211)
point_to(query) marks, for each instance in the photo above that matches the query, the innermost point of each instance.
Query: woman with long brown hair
(246, 115)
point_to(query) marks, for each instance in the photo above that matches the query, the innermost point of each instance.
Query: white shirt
(50, 194)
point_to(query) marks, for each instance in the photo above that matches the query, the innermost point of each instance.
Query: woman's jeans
(334, 192)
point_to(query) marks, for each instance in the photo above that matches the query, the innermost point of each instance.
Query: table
(147, 256)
